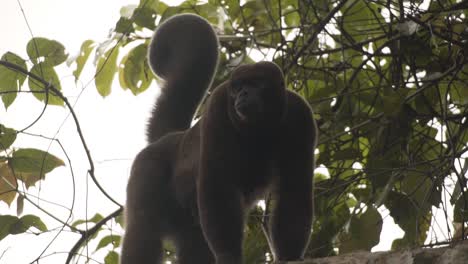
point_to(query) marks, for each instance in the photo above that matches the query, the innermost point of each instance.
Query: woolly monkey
(194, 185)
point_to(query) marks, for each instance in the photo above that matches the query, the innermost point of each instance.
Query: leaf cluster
(387, 81)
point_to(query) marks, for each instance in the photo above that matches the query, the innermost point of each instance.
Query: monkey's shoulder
(297, 109)
(215, 111)
(218, 97)
(299, 123)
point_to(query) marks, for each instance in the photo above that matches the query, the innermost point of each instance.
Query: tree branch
(92, 231)
(57, 92)
(425, 26)
(316, 30)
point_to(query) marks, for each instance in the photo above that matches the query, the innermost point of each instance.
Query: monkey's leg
(141, 244)
(291, 224)
(142, 239)
(147, 207)
(221, 217)
(192, 246)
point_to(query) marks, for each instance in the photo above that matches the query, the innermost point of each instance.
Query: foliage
(388, 83)
(25, 165)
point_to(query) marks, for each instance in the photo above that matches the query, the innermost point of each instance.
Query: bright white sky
(114, 127)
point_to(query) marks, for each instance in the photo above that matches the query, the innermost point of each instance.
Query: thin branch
(91, 232)
(316, 30)
(57, 92)
(425, 26)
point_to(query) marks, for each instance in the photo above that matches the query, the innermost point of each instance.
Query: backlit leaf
(105, 71)
(364, 231)
(111, 258)
(107, 240)
(85, 51)
(134, 73)
(39, 91)
(10, 80)
(46, 51)
(96, 218)
(31, 165)
(8, 184)
(7, 137)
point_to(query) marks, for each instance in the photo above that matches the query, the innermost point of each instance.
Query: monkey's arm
(220, 202)
(221, 213)
(293, 212)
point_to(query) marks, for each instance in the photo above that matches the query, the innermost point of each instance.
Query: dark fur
(193, 185)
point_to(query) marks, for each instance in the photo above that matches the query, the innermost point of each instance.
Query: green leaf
(127, 11)
(111, 258)
(210, 12)
(418, 186)
(318, 89)
(292, 19)
(134, 72)
(120, 220)
(459, 93)
(331, 217)
(8, 184)
(12, 225)
(7, 137)
(392, 104)
(46, 51)
(460, 211)
(145, 17)
(414, 221)
(6, 222)
(364, 231)
(31, 165)
(105, 71)
(112, 239)
(160, 7)
(347, 154)
(153, 4)
(85, 51)
(29, 221)
(124, 26)
(357, 15)
(10, 80)
(417, 49)
(169, 12)
(49, 75)
(95, 219)
(362, 194)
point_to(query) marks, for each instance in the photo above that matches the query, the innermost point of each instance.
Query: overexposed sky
(114, 127)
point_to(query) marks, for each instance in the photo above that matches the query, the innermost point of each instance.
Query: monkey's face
(247, 100)
(257, 93)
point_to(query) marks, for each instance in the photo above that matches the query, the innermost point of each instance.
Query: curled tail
(183, 52)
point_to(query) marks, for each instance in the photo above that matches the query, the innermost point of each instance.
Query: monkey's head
(257, 95)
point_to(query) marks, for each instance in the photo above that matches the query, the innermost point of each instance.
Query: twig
(316, 30)
(265, 223)
(75, 118)
(425, 26)
(91, 232)
(25, 195)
